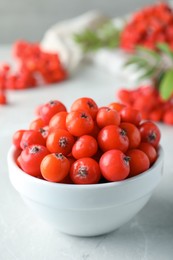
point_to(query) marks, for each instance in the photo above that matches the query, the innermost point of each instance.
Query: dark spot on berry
(59, 156)
(90, 104)
(152, 137)
(42, 131)
(83, 115)
(34, 149)
(82, 172)
(123, 132)
(126, 159)
(52, 102)
(24, 144)
(63, 142)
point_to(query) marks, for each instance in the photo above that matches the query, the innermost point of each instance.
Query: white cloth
(60, 38)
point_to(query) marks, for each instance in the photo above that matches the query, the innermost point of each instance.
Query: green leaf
(152, 53)
(148, 73)
(166, 85)
(135, 60)
(105, 36)
(163, 47)
(88, 40)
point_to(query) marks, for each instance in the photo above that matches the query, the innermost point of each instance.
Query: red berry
(85, 146)
(113, 137)
(17, 138)
(31, 157)
(54, 167)
(139, 162)
(87, 104)
(107, 116)
(133, 134)
(150, 133)
(58, 121)
(60, 141)
(30, 137)
(149, 150)
(48, 110)
(117, 106)
(131, 115)
(114, 165)
(79, 123)
(85, 171)
(36, 124)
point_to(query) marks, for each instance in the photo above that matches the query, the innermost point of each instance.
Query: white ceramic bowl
(85, 210)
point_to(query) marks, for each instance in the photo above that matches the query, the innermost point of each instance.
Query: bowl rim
(11, 162)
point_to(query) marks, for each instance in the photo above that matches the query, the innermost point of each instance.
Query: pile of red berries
(34, 67)
(88, 144)
(149, 26)
(147, 100)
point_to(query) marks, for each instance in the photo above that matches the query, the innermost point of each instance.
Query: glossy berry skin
(150, 133)
(60, 141)
(30, 137)
(114, 165)
(58, 121)
(113, 137)
(17, 138)
(85, 171)
(117, 106)
(36, 124)
(87, 104)
(133, 134)
(107, 116)
(48, 110)
(54, 167)
(85, 146)
(31, 157)
(139, 162)
(149, 150)
(79, 123)
(131, 115)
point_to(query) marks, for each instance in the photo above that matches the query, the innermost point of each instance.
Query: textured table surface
(148, 236)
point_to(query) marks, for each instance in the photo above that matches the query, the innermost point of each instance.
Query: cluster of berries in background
(87, 144)
(34, 67)
(147, 27)
(148, 101)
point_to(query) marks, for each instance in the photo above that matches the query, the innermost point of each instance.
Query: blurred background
(29, 19)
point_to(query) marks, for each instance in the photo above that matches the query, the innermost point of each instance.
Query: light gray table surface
(148, 236)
